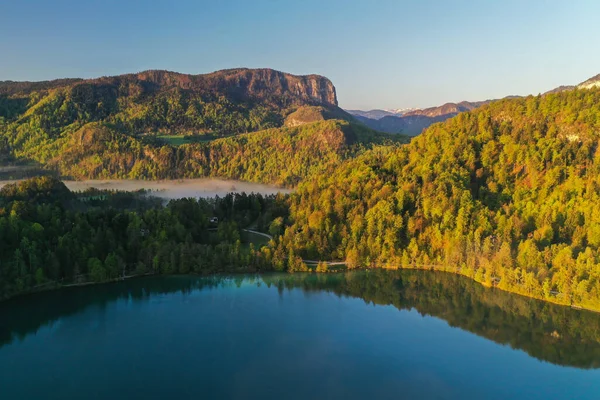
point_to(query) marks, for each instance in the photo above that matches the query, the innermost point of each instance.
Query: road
(304, 261)
(258, 233)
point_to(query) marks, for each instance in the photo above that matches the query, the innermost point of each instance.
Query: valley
(299, 200)
(457, 197)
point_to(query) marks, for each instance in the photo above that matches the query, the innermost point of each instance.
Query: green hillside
(279, 155)
(160, 125)
(506, 194)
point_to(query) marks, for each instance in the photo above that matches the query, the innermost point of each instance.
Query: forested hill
(159, 124)
(223, 102)
(507, 194)
(281, 156)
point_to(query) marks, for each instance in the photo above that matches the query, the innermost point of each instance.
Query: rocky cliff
(242, 83)
(221, 103)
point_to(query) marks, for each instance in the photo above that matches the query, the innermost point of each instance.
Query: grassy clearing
(178, 140)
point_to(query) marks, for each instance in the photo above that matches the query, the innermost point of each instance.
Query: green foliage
(46, 242)
(159, 125)
(506, 195)
(38, 189)
(282, 156)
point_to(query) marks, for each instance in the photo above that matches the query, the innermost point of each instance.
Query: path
(259, 233)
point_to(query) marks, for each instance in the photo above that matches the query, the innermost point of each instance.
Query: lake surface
(176, 189)
(389, 335)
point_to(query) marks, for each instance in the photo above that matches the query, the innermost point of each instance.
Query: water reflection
(552, 333)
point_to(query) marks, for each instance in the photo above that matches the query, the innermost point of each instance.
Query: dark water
(360, 335)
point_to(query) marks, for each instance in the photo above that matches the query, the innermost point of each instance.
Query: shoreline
(431, 269)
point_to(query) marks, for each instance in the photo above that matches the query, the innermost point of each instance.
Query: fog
(175, 189)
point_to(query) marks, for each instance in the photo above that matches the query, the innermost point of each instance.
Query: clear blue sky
(378, 53)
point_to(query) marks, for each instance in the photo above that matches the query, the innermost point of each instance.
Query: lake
(364, 334)
(176, 189)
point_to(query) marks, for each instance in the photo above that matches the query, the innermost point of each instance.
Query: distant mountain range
(412, 122)
(378, 114)
(589, 84)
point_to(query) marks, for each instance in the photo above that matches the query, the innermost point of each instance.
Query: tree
(96, 270)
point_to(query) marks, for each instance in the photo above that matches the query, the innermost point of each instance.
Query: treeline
(49, 237)
(506, 195)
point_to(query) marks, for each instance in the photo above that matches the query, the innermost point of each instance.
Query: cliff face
(261, 84)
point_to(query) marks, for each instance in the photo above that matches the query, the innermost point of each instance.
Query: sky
(378, 53)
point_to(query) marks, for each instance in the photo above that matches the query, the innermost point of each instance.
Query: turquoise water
(353, 336)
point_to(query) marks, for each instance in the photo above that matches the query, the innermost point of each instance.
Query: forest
(52, 237)
(283, 156)
(161, 125)
(506, 194)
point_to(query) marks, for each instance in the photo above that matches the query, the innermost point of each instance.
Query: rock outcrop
(263, 84)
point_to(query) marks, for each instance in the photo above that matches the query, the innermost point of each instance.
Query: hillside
(277, 155)
(308, 114)
(221, 103)
(447, 109)
(159, 124)
(506, 194)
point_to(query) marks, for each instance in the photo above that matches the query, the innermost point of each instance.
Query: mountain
(257, 125)
(160, 124)
(378, 114)
(593, 82)
(447, 109)
(559, 89)
(220, 103)
(413, 122)
(408, 125)
(506, 194)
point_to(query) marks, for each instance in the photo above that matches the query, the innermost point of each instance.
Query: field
(178, 140)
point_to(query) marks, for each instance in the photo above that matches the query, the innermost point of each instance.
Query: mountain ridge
(311, 87)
